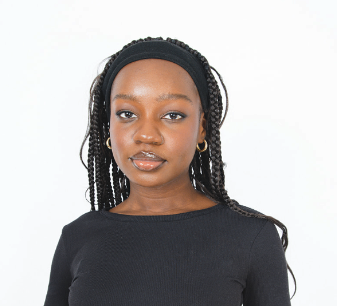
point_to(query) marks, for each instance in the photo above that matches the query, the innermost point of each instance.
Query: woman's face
(155, 108)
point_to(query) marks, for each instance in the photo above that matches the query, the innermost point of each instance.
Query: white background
(278, 61)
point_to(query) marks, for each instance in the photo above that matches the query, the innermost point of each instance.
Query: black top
(208, 257)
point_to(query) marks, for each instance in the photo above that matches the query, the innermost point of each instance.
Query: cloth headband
(160, 50)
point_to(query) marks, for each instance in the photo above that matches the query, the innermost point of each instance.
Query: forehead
(159, 74)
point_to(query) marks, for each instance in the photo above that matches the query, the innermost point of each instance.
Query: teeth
(148, 154)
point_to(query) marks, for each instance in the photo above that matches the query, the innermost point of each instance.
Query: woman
(166, 232)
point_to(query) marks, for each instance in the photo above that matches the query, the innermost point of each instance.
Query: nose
(147, 132)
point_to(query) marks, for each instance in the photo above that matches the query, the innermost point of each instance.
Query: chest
(129, 266)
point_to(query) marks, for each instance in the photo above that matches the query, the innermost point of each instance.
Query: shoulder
(263, 223)
(83, 225)
(266, 233)
(85, 219)
(79, 232)
(252, 226)
(246, 208)
(241, 216)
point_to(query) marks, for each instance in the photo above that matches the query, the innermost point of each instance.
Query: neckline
(173, 217)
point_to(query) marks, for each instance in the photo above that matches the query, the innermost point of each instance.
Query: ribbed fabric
(208, 257)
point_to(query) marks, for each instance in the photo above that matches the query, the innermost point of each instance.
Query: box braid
(206, 170)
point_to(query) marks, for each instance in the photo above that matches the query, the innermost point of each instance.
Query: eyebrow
(124, 97)
(168, 96)
(171, 96)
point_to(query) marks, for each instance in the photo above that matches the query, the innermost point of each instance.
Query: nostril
(157, 139)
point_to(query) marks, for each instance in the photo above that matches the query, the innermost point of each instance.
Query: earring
(107, 143)
(205, 147)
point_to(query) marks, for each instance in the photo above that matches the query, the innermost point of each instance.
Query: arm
(267, 279)
(60, 277)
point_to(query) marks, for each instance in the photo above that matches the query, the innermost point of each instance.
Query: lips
(147, 161)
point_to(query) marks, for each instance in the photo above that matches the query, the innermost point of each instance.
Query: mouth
(147, 161)
(147, 165)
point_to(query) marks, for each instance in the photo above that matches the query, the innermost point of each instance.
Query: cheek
(119, 143)
(182, 145)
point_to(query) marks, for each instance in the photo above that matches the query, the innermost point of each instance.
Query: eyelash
(176, 113)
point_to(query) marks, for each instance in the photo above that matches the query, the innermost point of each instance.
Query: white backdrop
(278, 61)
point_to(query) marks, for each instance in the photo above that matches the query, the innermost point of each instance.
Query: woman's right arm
(60, 277)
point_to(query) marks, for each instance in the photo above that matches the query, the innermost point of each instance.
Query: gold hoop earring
(205, 147)
(107, 143)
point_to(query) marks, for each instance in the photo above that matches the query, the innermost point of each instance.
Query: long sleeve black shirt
(208, 257)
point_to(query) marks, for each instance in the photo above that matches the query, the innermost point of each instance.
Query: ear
(202, 128)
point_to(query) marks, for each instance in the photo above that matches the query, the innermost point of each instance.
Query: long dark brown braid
(206, 169)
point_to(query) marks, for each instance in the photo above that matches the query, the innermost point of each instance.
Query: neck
(174, 197)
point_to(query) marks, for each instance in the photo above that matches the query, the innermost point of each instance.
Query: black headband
(160, 50)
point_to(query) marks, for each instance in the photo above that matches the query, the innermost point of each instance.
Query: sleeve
(267, 279)
(60, 277)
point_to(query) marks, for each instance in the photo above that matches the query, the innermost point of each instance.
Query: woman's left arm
(267, 279)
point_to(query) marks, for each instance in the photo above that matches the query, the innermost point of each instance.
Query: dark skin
(155, 106)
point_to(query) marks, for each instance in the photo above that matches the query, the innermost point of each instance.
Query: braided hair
(206, 170)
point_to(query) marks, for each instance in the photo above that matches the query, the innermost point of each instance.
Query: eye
(174, 116)
(125, 114)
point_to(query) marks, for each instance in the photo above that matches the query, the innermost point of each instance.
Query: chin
(147, 182)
